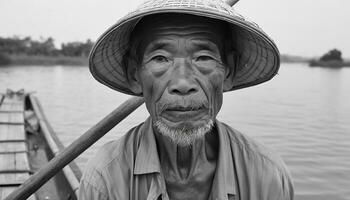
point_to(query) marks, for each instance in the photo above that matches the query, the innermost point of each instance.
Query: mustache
(184, 103)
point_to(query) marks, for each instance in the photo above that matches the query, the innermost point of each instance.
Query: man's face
(182, 71)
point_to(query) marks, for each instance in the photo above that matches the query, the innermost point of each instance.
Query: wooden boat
(27, 143)
(36, 134)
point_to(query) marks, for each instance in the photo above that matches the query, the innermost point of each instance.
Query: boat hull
(42, 144)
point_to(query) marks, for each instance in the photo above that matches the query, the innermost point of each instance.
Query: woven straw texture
(258, 55)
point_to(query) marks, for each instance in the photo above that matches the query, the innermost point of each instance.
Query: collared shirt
(129, 168)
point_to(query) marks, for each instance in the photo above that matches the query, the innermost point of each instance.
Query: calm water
(303, 113)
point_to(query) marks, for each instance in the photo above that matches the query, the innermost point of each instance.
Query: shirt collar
(224, 182)
(147, 160)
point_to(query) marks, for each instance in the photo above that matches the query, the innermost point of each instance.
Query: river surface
(303, 114)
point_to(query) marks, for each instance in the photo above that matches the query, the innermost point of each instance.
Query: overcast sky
(299, 27)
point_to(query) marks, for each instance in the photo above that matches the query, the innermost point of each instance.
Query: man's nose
(182, 80)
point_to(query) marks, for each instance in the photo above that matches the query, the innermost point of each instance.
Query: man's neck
(182, 166)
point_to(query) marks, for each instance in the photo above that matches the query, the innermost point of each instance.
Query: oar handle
(75, 149)
(231, 2)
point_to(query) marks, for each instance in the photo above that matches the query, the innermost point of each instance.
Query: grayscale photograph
(174, 100)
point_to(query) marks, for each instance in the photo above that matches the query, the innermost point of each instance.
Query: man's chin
(183, 133)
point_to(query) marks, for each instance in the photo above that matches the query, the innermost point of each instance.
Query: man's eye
(204, 58)
(160, 58)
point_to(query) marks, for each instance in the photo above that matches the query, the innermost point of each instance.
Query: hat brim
(259, 58)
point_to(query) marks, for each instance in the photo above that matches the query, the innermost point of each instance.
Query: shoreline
(41, 60)
(329, 64)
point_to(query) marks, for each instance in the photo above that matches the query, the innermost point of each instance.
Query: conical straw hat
(258, 55)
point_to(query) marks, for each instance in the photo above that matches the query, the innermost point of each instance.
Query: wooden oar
(75, 149)
(231, 2)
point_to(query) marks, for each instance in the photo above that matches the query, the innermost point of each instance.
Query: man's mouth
(179, 113)
(184, 109)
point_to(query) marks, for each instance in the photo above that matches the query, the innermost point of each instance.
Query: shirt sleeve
(92, 186)
(280, 186)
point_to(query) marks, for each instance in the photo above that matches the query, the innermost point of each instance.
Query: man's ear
(231, 62)
(132, 76)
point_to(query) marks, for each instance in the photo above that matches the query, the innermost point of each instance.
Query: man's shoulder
(253, 151)
(110, 166)
(116, 151)
(260, 165)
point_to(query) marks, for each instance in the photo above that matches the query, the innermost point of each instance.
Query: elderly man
(181, 56)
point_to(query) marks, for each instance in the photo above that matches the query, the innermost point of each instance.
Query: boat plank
(12, 132)
(7, 162)
(5, 191)
(12, 107)
(13, 100)
(6, 147)
(22, 162)
(13, 178)
(14, 162)
(11, 118)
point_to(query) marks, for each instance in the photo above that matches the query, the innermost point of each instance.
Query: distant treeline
(14, 46)
(44, 46)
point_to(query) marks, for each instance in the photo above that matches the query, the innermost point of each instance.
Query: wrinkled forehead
(179, 25)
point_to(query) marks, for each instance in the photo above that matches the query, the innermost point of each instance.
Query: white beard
(183, 136)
